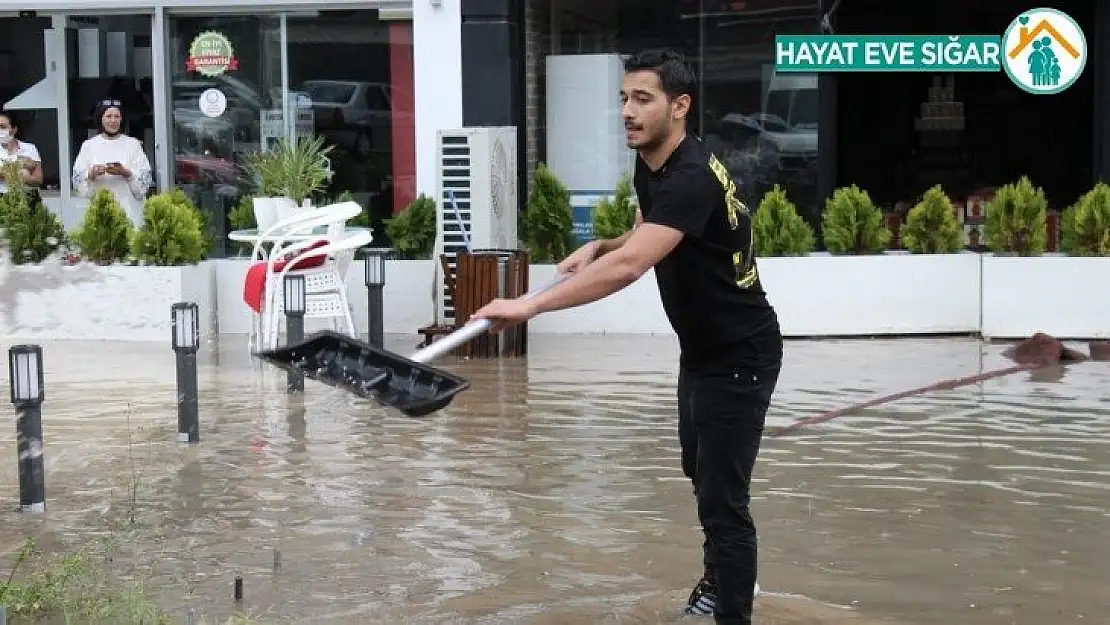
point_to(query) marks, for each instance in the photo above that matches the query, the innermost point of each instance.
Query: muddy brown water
(551, 491)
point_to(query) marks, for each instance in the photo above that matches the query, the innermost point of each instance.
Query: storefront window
(763, 126)
(28, 97)
(362, 109)
(225, 94)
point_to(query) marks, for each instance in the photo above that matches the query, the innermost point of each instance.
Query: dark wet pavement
(551, 491)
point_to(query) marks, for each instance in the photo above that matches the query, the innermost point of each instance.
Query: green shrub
(171, 233)
(614, 217)
(104, 236)
(31, 231)
(778, 229)
(1085, 225)
(242, 216)
(413, 230)
(1015, 219)
(932, 226)
(548, 227)
(179, 197)
(852, 223)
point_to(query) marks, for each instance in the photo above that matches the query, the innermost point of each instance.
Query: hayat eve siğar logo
(1044, 51)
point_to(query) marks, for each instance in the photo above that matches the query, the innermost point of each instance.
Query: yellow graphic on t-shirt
(746, 273)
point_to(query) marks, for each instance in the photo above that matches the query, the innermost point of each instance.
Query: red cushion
(308, 262)
(255, 284)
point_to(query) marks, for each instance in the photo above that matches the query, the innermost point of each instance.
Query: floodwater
(551, 491)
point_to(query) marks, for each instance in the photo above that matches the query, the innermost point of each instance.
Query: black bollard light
(375, 303)
(294, 297)
(186, 343)
(25, 374)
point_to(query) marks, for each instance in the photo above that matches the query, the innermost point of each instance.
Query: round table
(251, 235)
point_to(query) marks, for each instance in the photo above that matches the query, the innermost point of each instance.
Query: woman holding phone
(114, 161)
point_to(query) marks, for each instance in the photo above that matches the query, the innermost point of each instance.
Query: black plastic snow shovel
(407, 384)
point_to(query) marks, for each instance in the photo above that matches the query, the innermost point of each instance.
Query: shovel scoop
(407, 384)
(338, 360)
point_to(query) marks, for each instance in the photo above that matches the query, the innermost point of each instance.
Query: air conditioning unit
(476, 185)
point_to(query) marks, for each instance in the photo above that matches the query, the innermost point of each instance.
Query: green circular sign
(211, 54)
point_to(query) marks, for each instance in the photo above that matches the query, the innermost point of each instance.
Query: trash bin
(481, 276)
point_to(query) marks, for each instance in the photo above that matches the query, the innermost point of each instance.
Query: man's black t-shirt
(709, 284)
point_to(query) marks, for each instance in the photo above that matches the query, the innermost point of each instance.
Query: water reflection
(551, 491)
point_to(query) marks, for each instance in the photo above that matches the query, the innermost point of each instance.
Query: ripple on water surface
(551, 491)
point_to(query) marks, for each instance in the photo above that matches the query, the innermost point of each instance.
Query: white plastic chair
(333, 216)
(300, 226)
(325, 286)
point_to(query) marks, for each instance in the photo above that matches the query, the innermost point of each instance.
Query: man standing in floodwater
(697, 235)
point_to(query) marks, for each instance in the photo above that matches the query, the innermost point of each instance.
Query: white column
(161, 76)
(57, 67)
(437, 80)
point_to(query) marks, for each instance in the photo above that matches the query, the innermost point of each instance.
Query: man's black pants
(720, 425)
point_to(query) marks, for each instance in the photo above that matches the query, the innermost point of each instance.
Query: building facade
(379, 78)
(551, 68)
(204, 83)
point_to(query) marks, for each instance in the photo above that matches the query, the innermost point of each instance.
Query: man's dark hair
(675, 74)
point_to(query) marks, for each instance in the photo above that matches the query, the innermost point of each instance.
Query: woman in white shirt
(12, 149)
(114, 161)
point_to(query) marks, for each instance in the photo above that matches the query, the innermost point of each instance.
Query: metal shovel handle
(473, 329)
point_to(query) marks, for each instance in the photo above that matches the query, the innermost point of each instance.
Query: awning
(41, 95)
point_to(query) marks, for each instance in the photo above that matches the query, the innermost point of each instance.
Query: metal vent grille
(456, 175)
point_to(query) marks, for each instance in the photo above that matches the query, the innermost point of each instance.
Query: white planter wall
(634, 310)
(87, 302)
(1002, 297)
(408, 297)
(871, 295)
(813, 296)
(1065, 297)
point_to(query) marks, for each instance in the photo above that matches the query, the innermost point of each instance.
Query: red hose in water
(938, 386)
(1033, 353)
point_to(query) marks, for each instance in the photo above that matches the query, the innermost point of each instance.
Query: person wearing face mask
(114, 161)
(12, 149)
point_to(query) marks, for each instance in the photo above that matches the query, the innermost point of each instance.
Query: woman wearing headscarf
(114, 161)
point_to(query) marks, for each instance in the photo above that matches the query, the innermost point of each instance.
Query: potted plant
(287, 175)
(171, 233)
(547, 224)
(106, 299)
(778, 229)
(1026, 291)
(613, 217)
(104, 236)
(931, 225)
(852, 224)
(32, 233)
(862, 291)
(1085, 225)
(413, 231)
(1015, 220)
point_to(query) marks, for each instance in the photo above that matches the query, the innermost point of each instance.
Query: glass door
(226, 101)
(89, 58)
